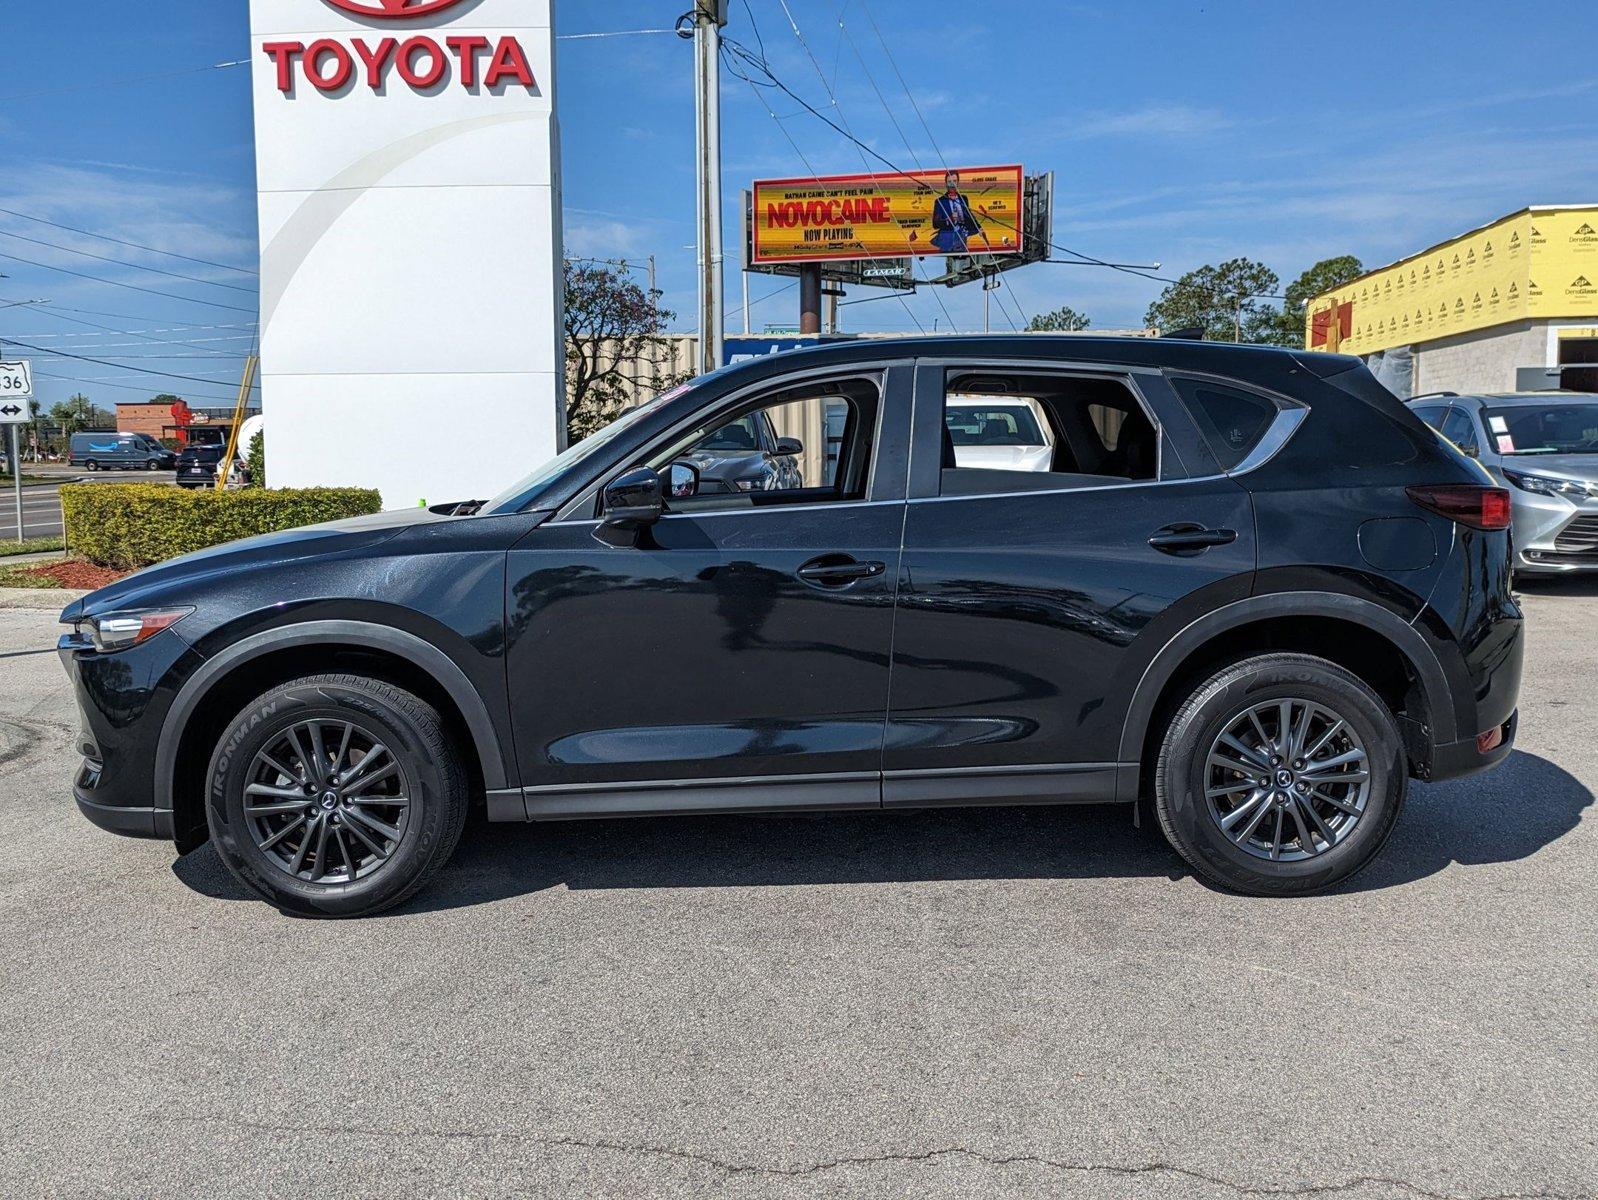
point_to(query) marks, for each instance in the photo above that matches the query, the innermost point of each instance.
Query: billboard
(1539, 262)
(832, 218)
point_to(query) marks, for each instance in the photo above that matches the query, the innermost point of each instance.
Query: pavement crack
(802, 1170)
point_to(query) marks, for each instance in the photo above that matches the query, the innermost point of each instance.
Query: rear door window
(1231, 420)
(1461, 430)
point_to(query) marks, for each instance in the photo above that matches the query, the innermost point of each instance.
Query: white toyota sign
(408, 159)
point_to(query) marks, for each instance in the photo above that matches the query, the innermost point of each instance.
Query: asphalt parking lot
(997, 1003)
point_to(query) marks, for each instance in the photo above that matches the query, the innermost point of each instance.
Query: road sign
(16, 389)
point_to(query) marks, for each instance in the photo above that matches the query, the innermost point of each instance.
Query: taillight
(1468, 503)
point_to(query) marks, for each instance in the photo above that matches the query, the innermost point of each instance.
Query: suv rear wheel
(336, 796)
(1280, 775)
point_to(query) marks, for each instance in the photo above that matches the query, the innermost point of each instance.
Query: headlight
(746, 485)
(119, 631)
(1547, 485)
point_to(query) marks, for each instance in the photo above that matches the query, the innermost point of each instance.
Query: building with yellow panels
(1510, 306)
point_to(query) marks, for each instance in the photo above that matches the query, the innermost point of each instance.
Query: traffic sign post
(16, 389)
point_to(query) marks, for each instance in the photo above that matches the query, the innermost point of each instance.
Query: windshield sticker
(1498, 424)
(1506, 444)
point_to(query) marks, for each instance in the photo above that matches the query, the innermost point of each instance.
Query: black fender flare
(425, 655)
(1404, 636)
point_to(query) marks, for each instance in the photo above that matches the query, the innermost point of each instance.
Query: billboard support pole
(810, 298)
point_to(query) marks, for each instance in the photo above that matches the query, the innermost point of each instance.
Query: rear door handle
(1187, 538)
(839, 570)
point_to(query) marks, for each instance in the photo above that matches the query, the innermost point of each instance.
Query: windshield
(975, 425)
(577, 452)
(1570, 428)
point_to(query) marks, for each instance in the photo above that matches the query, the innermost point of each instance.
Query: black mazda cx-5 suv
(1250, 596)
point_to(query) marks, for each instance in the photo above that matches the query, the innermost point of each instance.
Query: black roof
(1224, 358)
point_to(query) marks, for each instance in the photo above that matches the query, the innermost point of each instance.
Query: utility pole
(708, 17)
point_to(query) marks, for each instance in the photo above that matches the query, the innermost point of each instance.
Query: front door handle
(839, 570)
(1186, 538)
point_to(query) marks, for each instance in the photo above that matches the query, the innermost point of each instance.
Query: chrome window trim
(1276, 436)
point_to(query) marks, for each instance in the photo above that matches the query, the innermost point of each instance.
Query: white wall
(410, 262)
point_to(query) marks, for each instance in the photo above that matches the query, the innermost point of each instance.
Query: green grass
(18, 577)
(32, 546)
(28, 480)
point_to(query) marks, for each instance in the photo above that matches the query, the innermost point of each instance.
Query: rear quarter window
(1231, 420)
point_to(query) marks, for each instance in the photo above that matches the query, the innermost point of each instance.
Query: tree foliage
(1229, 302)
(1064, 319)
(1325, 275)
(614, 351)
(77, 412)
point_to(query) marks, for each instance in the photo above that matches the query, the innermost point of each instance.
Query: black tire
(91, 465)
(151, 465)
(1183, 775)
(428, 768)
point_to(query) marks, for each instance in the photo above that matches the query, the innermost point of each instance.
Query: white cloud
(600, 238)
(1151, 120)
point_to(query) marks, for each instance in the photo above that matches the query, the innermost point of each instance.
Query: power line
(128, 387)
(578, 37)
(911, 96)
(847, 132)
(61, 316)
(132, 287)
(755, 88)
(106, 237)
(100, 84)
(102, 362)
(21, 237)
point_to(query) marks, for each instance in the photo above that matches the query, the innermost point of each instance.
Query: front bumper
(122, 701)
(1554, 535)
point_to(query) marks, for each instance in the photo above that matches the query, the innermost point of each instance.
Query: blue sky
(1181, 133)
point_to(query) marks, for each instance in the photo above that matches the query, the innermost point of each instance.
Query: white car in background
(999, 433)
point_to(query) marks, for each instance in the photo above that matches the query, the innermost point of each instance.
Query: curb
(39, 599)
(25, 560)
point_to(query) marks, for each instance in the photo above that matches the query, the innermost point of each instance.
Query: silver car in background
(1544, 447)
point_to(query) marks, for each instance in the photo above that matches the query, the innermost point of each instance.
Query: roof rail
(1434, 396)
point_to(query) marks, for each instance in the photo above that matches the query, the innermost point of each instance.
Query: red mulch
(74, 573)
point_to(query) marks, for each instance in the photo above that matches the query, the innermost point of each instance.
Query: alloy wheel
(1287, 780)
(326, 801)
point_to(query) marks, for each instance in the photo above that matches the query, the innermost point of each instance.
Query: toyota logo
(394, 10)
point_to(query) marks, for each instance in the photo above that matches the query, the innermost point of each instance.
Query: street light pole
(708, 17)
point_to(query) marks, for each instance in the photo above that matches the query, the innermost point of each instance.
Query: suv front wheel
(1280, 775)
(336, 795)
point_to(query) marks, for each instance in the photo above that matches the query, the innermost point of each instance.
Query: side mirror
(682, 481)
(632, 501)
(790, 446)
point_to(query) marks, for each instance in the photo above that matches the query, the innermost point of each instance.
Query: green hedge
(136, 524)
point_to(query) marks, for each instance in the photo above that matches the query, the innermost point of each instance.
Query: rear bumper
(1454, 760)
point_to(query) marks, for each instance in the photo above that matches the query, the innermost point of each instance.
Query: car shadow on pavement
(1506, 815)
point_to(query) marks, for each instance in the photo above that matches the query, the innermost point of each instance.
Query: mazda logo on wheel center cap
(1284, 778)
(330, 800)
